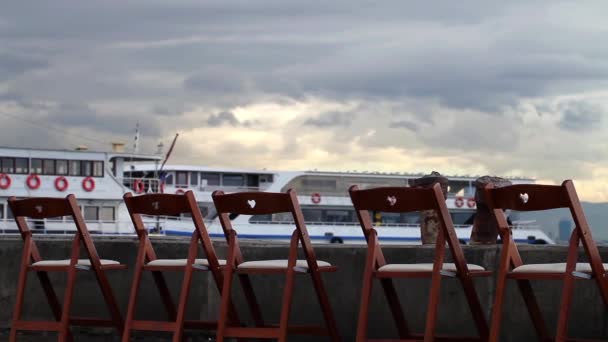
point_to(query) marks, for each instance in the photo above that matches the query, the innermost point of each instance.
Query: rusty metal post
(429, 222)
(485, 230)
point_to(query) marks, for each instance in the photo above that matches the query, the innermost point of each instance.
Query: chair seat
(279, 264)
(424, 267)
(81, 262)
(552, 268)
(180, 262)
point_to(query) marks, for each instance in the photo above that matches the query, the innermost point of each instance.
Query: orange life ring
(5, 181)
(179, 191)
(33, 181)
(61, 183)
(471, 202)
(88, 184)
(139, 187)
(315, 198)
(459, 202)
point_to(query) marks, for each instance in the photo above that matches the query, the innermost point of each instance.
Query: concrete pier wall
(589, 318)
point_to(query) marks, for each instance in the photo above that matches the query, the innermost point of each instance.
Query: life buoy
(88, 184)
(471, 202)
(458, 202)
(138, 186)
(61, 183)
(179, 192)
(315, 198)
(5, 181)
(33, 181)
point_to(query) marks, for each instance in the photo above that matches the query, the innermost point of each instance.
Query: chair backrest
(535, 197)
(168, 205)
(263, 203)
(45, 207)
(407, 199)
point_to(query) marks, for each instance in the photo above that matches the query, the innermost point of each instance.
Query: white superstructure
(99, 180)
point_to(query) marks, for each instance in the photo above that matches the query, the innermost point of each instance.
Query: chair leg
(67, 304)
(433, 306)
(110, 300)
(126, 334)
(366, 293)
(533, 309)
(224, 305)
(165, 294)
(497, 307)
(395, 305)
(18, 302)
(325, 306)
(254, 307)
(181, 306)
(564, 310)
(475, 306)
(286, 305)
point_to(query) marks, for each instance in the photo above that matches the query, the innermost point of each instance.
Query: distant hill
(549, 221)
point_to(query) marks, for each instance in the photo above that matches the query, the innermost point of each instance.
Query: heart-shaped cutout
(391, 200)
(251, 203)
(155, 205)
(39, 209)
(524, 197)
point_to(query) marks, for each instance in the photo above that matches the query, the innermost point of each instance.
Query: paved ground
(101, 337)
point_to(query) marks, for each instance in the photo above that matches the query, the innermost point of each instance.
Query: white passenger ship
(99, 180)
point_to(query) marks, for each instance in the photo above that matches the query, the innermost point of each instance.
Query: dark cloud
(222, 118)
(14, 64)
(581, 116)
(330, 120)
(412, 126)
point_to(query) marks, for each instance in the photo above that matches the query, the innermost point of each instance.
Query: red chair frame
(170, 205)
(534, 197)
(406, 199)
(41, 208)
(261, 203)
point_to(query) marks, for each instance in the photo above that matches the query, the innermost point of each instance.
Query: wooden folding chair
(263, 203)
(170, 205)
(41, 208)
(533, 197)
(404, 199)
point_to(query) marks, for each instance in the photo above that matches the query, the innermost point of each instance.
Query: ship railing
(147, 184)
(235, 188)
(345, 224)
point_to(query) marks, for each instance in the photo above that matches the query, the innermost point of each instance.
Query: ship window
(106, 214)
(48, 166)
(391, 218)
(21, 165)
(97, 169)
(8, 165)
(87, 168)
(204, 211)
(74, 167)
(211, 178)
(181, 178)
(463, 218)
(37, 166)
(194, 178)
(338, 216)
(261, 218)
(91, 213)
(312, 215)
(169, 179)
(232, 180)
(9, 213)
(1, 210)
(62, 167)
(411, 218)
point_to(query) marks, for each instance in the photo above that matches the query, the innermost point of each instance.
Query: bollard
(485, 229)
(429, 222)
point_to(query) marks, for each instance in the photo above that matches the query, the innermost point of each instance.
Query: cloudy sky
(514, 88)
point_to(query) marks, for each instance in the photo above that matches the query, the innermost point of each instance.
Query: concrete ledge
(589, 319)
